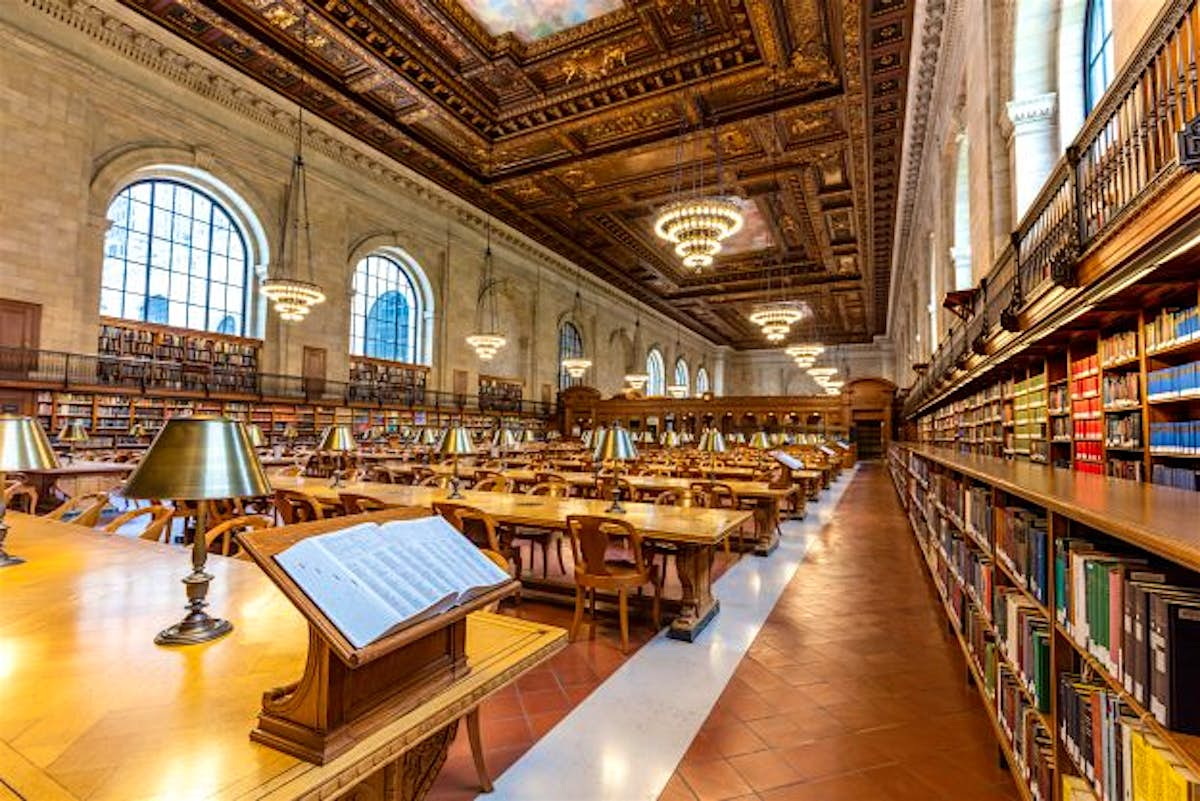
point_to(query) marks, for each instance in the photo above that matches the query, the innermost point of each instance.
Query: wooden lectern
(346, 693)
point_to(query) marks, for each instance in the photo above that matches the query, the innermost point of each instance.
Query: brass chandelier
(487, 341)
(576, 366)
(292, 297)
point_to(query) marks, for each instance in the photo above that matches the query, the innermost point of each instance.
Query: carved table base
(698, 606)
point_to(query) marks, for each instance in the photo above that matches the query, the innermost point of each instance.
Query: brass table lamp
(616, 446)
(670, 439)
(337, 439)
(455, 443)
(528, 437)
(72, 433)
(23, 446)
(712, 442)
(198, 459)
(430, 436)
(760, 441)
(504, 439)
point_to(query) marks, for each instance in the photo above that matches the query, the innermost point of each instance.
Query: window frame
(1104, 57)
(367, 293)
(707, 384)
(570, 346)
(656, 372)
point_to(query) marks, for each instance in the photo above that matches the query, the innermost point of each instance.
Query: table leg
(410, 777)
(766, 517)
(693, 563)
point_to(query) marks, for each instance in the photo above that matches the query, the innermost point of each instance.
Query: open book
(787, 460)
(828, 451)
(372, 580)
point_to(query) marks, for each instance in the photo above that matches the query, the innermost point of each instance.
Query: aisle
(853, 689)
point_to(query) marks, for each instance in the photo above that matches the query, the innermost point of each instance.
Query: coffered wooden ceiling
(569, 125)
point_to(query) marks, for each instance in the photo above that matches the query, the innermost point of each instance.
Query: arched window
(682, 377)
(387, 312)
(1098, 63)
(570, 346)
(656, 369)
(702, 384)
(174, 255)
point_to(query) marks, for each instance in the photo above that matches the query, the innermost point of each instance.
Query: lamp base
(196, 628)
(454, 495)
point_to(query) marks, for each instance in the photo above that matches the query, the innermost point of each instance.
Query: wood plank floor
(853, 689)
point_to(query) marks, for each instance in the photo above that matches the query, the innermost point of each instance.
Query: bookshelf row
(127, 421)
(1083, 642)
(1123, 401)
(134, 354)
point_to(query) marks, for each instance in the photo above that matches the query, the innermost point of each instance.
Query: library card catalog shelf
(91, 709)
(1076, 601)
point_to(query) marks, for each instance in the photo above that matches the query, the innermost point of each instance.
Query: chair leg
(623, 614)
(485, 781)
(559, 546)
(545, 557)
(592, 627)
(575, 621)
(656, 609)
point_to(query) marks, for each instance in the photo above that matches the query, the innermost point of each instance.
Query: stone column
(1032, 145)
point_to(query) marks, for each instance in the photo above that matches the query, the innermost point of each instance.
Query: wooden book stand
(345, 692)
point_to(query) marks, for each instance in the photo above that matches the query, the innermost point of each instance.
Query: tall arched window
(1098, 59)
(682, 374)
(702, 384)
(656, 369)
(174, 255)
(387, 312)
(570, 346)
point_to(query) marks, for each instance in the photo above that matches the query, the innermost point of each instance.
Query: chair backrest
(434, 480)
(157, 527)
(476, 525)
(380, 475)
(297, 507)
(553, 489)
(355, 504)
(722, 496)
(545, 478)
(85, 508)
(493, 483)
(21, 496)
(225, 533)
(591, 536)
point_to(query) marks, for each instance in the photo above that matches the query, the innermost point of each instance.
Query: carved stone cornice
(1033, 109)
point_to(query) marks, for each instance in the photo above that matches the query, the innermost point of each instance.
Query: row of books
(1121, 389)
(1179, 477)
(1057, 398)
(1172, 326)
(1119, 347)
(1025, 635)
(1032, 746)
(972, 568)
(1116, 755)
(1091, 466)
(1179, 381)
(1140, 621)
(1128, 469)
(978, 513)
(1060, 428)
(1175, 437)
(1084, 367)
(1123, 430)
(1021, 544)
(1089, 453)
(1084, 430)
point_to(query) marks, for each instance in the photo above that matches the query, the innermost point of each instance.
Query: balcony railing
(46, 369)
(1126, 152)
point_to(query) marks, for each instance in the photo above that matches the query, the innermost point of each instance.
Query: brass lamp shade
(74, 431)
(199, 458)
(527, 436)
(646, 438)
(738, 438)
(456, 442)
(256, 435)
(670, 439)
(24, 444)
(337, 439)
(760, 441)
(504, 438)
(711, 441)
(429, 436)
(614, 445)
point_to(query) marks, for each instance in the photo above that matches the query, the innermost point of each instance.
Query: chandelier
(697, 226)
(487, 341)
(293, 298)
(576, 367)
(637, 380)
(677, 390)
(804, 351)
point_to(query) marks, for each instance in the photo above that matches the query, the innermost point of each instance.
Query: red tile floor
(852, 690)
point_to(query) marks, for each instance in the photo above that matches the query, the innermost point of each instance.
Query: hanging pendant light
(637, 377)
(487, 341)
(576, 366)
(677, 390)
(696, 222)
(294, 297)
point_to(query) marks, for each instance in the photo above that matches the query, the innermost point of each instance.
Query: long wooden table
(696, 533)
(91, 709)
(76, 477)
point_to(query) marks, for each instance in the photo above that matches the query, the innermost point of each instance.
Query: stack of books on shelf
(1085, 414)
(1179, 477)
(1123, 430)
(1171, 327)
(1024, 635)
(1174, 383)
(1180, 438)
(1119, 348)
(1031, 744)
(1121, 391)
(1021, 546)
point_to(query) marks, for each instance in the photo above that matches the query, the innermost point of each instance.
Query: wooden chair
(493, 483)
(480, 528)
(157, 529)
(434, 480)
(222, 538)
(21, 497)
(591, 536)
(297, 507)
(542, 537)
(355, 504)
(605, 485)
(85, 510)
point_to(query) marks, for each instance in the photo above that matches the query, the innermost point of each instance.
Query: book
(787, 460)
(373, 580)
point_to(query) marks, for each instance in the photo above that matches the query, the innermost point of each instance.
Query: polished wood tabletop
(91, 709)
(1157, 518)
(668, 523)
(83, 467)
(654, 483)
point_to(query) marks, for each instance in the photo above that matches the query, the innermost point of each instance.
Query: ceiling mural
(533, 19)
(576, 120)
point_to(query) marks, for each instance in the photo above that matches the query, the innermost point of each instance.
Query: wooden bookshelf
(145, 354)
(500, 394)
(1141, 521)
(382, 380)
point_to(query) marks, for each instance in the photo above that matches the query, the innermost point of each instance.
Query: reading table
(91, 709)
